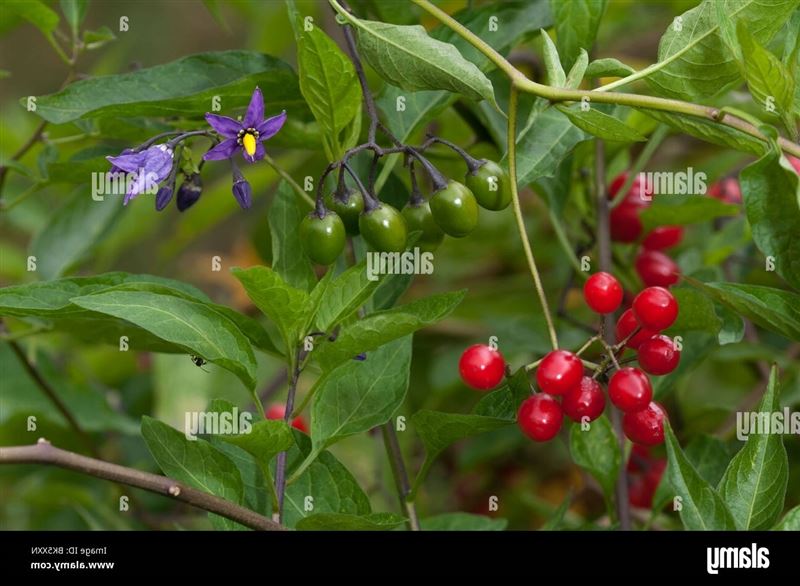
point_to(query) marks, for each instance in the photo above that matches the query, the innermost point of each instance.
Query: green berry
(418, 217)
(491, 186)
(455, 210)
(349, 208)
(322, 238)
(384, 228)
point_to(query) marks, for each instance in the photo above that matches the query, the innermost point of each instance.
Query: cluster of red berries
(565, 389)
(654, 267)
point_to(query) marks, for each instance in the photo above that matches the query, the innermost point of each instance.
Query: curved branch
(44, 453)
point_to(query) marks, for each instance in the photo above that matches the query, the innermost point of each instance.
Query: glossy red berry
(560, 371)
(626, 324)
(663, 237)
(726, 190)
(645, 427)
(655, 308)
(540, 417)
(602, 293)
(277, 411)
(639, 459)
(585, 400)
(482, 367)
(639, 195)
(656, 269)
(658, 355)
(629, 389)
(625, 224)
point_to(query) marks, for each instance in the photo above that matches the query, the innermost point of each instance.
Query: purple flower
(243, 193)
(150, 167)
(248, 135)
(163, 197)
(189, 192)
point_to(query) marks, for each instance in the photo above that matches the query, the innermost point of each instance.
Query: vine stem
(557, 94)
(513, 103)
(280, 465)
(288, 178)
(400, 474)
(43, 452)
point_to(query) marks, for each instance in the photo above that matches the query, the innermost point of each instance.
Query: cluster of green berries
(451, 210)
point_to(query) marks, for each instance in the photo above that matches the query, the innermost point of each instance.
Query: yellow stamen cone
(249, 143)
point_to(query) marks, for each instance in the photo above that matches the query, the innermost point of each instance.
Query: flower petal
(223, 150)
(130, 163)
(257, 156)
(270, 127)
(255, 111)
(227, 127)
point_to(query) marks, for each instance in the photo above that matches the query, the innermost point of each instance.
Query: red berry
(636, 196)
(625, 223)
(585, 400)
(629, 389)
(482, 367)
(726, 190)
(663, 237)
(626, 324)
(277, 411)
(602, 293)
(540, 417)
(658, 355)
(559, 372)
(655, 308)
(656, 269)
(639, 460)
(795, 162)
(652, 477)
(639, 493)
(645, 427)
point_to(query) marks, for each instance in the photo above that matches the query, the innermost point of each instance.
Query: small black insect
(199, 361)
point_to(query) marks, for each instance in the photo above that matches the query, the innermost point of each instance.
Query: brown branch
(400, 474)
(44, 453)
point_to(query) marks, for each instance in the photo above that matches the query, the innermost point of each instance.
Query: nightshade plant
(495, 141)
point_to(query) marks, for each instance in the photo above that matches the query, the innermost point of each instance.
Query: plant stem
(556, 94)
(51, 394)
(513, 102)
(280, 466)
(288, 178)
(400, 474)
(653, 143)
(44, 453)
(604, 253)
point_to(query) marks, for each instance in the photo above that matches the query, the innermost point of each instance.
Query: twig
(400, 474)
(44, 453)
(280, 466)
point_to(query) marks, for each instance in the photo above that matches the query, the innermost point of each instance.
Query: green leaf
(360, 395)
(349, 522)
(790, 521)
(709, 131)
(153, 91)
(330, 486)
(381, 327)
(97, 38)
(542, 145)
(702, 508)
(695, 61)
(754, 485)
(504, 402)
(287, 306)
(515, 19)
(35, 12)
(194, 462)
(345, 294)
(438, 430)
(596, 450)
(408, 58)
(71, 232)
(770, 82)
(327, 80)
(288, 258)
(696, 312)
(462, 522)
(552, 64)
(773, 309)
(577, 22)
(264, 441)
(708, 455)
(771, 192)
(684, 209)
(576, 73)
(192, 325)
(608, 67)
(74, 11)
(601, 125)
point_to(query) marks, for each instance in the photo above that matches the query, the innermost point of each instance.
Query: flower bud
(189, 192)
(243, 193)
(163, 197)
